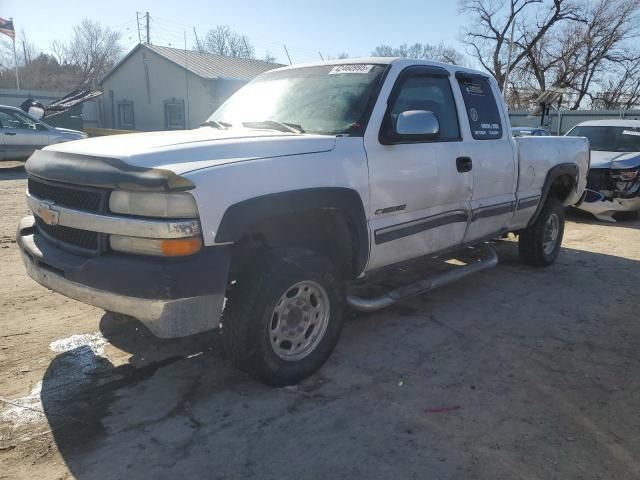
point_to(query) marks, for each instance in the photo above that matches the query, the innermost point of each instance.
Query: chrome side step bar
(487, 259)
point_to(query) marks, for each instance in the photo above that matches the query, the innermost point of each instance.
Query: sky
(330, 27)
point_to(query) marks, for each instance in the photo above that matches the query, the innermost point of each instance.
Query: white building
(164, 88)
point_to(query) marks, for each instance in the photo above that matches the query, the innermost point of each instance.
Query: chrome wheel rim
(551, 233)
(299, 320)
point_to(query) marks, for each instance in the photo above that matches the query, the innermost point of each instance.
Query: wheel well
(326, 232)
(562, 186)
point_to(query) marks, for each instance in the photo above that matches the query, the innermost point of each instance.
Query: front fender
(238, 218)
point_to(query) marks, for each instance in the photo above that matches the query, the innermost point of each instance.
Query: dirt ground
(514, 373)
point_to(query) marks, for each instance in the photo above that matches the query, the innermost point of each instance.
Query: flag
(6, 27)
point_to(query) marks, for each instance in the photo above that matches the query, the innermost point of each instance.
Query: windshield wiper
(273, 125)
(216, 124)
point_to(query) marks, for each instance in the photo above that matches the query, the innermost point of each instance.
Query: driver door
(419, 197)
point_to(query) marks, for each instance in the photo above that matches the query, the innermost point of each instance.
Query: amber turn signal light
(180, 247)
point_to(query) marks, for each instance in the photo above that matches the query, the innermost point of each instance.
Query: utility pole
(15, 57)
(148, 36)
(138, 25)
(505, 84)
(246, 48)
(198, 46)
(287, 52)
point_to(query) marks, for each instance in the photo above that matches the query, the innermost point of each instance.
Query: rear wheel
(284, 316)
(539, 244)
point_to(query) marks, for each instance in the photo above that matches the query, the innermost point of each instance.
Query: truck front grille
(80, 239)
(599, 179)
(87, 199)
(72, 196)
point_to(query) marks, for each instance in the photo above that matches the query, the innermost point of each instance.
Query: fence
(561, 121)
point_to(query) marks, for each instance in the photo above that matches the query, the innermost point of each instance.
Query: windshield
(610, 139)
(328, 99)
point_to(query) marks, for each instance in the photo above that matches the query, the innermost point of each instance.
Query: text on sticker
(356, 68)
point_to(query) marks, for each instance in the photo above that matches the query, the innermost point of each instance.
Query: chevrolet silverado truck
(613, 183)
(304, 183)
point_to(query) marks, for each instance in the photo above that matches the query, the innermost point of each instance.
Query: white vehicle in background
(613, 183)
(303, 184)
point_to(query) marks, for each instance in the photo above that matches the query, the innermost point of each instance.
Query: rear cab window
(481, 106)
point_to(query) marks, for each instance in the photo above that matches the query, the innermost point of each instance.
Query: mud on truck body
(306, 180)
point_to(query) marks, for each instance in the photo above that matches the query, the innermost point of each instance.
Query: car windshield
(328, 100)
(609, 138)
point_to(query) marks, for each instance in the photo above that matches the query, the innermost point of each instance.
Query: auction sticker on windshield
(356, 68)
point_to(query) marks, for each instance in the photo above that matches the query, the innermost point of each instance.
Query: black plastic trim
(570, 169)
(137, 276)
(102, 172)
(427, 223)
(241, 216)
(528, 202)
(493, 210)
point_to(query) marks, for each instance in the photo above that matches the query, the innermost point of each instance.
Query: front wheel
(283, 316)
(539, 244)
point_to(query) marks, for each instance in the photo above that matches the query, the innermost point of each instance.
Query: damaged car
(613, 184)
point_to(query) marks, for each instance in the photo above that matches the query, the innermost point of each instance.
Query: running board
(487, 259)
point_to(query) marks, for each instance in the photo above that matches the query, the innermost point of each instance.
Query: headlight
(152, 204)
(174, 247)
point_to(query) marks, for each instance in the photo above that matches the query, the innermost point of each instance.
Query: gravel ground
(514, 373)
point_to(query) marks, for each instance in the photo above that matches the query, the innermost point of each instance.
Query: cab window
(481, 106)
(427, 92)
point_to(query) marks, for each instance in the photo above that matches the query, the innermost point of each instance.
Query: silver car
(21, 134)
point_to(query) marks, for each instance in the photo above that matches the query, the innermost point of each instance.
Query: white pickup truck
(306, 180)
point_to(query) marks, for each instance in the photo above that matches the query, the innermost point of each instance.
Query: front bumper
(172, 297)
(603, 209)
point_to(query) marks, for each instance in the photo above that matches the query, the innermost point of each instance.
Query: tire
(536, 246)
(268, 326)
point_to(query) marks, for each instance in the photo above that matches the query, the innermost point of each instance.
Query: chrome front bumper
(164, 317)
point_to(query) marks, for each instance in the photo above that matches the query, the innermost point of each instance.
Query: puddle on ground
(83, 355)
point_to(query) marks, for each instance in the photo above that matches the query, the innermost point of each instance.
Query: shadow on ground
(512, 373)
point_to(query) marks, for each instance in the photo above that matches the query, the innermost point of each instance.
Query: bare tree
(224, 41)
(620, 88)
(488, 36)
(580, 52)
(440, 53)
(93, 51)
(269, 58)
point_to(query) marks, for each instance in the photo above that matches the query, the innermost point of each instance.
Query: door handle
(464, 164)
(9, 133)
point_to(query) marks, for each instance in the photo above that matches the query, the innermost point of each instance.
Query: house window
(174, 118)
(125, 114)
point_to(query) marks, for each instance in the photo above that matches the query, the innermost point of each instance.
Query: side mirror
(419, 124)
(36, 112)
(41, 127)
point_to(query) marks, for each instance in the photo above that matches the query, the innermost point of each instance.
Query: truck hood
(614, 160)
(183, 151)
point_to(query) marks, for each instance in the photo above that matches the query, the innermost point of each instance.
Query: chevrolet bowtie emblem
(47, 213)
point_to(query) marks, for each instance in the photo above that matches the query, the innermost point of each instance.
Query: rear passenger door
(419, 197)
(491, 149)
